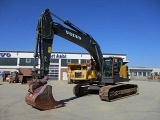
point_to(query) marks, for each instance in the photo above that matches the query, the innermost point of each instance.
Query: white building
(143, 72)
(13, 60)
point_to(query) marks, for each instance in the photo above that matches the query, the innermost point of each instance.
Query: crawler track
(118, 91)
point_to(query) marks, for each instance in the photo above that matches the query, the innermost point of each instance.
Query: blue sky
(129, 27)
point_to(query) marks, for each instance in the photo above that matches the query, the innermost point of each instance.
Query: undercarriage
(106, 92)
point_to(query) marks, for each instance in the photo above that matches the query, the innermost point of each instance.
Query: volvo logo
(73, 35)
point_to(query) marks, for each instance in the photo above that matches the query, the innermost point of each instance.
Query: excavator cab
(114, 68)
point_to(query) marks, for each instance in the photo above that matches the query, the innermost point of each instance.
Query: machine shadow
(65, 101)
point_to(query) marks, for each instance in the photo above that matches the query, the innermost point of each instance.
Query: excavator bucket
(40, 95)
(42, 98)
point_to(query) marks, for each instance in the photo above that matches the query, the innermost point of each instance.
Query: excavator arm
(47, 28)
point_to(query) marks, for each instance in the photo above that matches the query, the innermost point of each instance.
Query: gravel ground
(144, 106)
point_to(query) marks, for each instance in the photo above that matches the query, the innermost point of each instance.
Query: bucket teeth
(42, 98)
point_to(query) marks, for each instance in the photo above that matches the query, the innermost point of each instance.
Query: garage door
(53, 72)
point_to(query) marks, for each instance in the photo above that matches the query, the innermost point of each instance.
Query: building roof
(140, 68)
(20, 51)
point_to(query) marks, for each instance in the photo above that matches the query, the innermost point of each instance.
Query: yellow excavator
(109, 73)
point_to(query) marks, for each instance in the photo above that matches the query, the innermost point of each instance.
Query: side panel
(124, 71)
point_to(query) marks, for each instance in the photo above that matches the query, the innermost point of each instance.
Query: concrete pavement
(145, 106)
